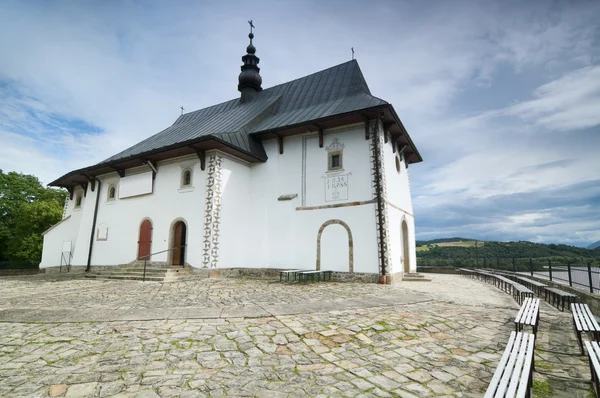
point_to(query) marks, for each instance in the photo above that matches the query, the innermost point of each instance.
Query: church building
(308, 174)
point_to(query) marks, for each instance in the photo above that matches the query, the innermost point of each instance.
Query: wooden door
(179, 233)
(145, 242)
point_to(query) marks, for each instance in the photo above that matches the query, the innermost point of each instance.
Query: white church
(309, 174)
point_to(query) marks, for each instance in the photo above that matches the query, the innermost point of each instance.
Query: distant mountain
(594, 246)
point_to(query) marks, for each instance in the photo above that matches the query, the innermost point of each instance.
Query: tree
(27, 209)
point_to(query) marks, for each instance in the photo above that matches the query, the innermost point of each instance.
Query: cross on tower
(182, 109)
(352, 52)
(251, 25)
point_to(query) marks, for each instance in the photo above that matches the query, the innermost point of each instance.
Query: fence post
(589, 264)
(569, 271)
(514, 268)
(531, 266)
(550, 269)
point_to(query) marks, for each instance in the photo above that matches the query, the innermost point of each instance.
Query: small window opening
(398, 164)
(111, 193)
(78, 201)
(187, 178)
(335, 161)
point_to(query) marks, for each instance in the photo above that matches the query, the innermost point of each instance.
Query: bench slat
(586, 323)
(510, 364)
(594, 323)
(532, 315)
(516, 375)
(522, 311)
(501, 367)
(574, 309)
(589, 318)
(524, 384)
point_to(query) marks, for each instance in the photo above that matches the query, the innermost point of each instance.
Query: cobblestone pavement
(235, 337)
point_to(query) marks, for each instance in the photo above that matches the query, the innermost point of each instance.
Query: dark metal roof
(337, 90)
(330, 93)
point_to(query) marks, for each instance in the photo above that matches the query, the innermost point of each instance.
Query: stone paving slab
(437, 339)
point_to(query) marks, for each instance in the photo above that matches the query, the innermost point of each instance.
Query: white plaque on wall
(336, 187)
(137, 184)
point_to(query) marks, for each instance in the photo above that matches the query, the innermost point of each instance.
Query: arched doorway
(405, 247)
(145, 240)
(350, 244)
(179, 240)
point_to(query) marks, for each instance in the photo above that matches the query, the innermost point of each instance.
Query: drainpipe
(380, 204)
(89, 261)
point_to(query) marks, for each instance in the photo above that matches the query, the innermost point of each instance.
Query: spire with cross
(182, 109)
(249, 80)
(352, 52)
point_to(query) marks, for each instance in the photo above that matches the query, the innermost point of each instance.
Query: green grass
(541, 389)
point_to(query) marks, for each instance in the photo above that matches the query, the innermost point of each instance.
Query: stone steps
(414, 277)
(134, 272)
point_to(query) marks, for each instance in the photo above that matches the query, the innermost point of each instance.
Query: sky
(502, 98)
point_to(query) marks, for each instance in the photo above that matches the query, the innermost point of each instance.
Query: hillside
(443, 240)
(594, 246)
(507, 249)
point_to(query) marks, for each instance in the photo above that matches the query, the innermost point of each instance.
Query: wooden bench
(287, 272)
(593, 350)
(514, 374)
(503, 283)
(584, 321)
(529, 315)
(520, 292)
(559, 296)
(538, 287)
(304, 276)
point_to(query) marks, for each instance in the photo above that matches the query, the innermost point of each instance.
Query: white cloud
(568, 103)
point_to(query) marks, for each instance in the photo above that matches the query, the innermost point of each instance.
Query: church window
(78, 201)
(335, 161)
(112, 192)
(334, 155)
(398, 164)
(186, 178)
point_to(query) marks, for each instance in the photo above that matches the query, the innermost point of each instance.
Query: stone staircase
(135, 271)
(414, 277)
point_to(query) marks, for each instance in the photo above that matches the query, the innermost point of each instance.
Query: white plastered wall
(256, 229)
(279, 236)
(122, 217)
(399, 209)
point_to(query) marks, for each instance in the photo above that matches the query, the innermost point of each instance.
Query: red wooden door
(145, 242)
(178, 243)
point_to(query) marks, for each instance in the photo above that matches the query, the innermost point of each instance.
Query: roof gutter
(89, 260)
(141, 155)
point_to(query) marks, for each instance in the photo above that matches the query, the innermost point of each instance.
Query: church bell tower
(249, 80)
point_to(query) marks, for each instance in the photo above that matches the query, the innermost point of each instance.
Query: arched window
(78, 201)
(186, 178)
(112, 192)
(398, 168)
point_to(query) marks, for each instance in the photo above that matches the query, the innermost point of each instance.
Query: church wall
(273, 223)
(235, 229)
(66, 231)
(81, 251)
(168, 203)
(281, 236)
(399, 208)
